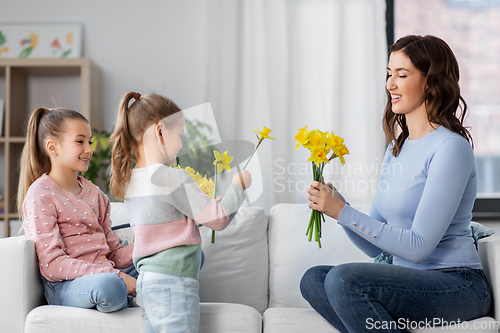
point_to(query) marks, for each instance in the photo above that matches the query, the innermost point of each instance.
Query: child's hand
(244, 179)
(130, 282)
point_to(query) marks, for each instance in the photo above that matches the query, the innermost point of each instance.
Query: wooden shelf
(20, 78)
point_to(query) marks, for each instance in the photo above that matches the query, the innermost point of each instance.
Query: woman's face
(405, 83)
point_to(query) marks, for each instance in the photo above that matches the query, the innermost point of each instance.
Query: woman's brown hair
(131, 123)
(437, 63)
(43, 124)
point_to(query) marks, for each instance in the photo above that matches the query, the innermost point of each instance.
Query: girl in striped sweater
(165, 207)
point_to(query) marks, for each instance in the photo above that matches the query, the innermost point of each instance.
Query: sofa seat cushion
(214, 317)
(63, 319)
(298, 320)
(295, 320)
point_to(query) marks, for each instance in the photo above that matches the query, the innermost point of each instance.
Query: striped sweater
(165, 207)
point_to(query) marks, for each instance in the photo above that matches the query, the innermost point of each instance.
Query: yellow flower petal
(301, 137)
(222, 161)
(264, 134)
(318, 156)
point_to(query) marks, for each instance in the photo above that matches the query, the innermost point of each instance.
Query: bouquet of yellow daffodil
(324, 147)
(205, 185)
(221, 163)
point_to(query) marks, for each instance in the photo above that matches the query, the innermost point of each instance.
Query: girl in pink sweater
(68, 217)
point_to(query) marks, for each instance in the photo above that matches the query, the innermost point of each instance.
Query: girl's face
(405, 83)
(172, 140)
(73, 148)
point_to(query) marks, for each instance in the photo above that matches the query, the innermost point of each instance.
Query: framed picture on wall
(41, 40)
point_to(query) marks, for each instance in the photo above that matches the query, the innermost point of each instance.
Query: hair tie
(137, 96)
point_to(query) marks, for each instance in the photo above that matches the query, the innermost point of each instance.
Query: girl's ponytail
(131, 124)
(122, 145)
(34, 161)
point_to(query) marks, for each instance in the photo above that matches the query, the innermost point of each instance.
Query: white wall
(146, 46)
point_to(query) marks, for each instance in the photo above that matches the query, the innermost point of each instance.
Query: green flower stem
(317, 217)
(248, 161)
(215, 197)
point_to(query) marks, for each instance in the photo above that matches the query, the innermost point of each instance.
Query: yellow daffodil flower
(342, 151)
(207, 186)
(333, 141)
(264, 134)
(318, 156)
(320, 144)
(222, 161)
(315, 139)
(302, 137)
(193, 174)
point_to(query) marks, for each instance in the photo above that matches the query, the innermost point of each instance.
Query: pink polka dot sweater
(72, 233)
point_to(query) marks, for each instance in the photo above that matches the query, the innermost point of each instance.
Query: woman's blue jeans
(372, 297)
(106, 292)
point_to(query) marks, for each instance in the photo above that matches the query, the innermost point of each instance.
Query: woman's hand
(130, 282)
(326, 199)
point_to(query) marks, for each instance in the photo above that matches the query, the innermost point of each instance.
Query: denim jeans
(105, 291)
(369, 297)
(169, 303)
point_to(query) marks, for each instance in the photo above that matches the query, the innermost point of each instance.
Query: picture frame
(2, 115)
(41, 40)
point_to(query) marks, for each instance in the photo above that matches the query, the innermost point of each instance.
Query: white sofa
(250, 281)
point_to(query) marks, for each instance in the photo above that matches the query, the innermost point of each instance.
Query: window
(471, 29)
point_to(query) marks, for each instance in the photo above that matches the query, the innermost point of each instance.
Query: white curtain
(286, 64)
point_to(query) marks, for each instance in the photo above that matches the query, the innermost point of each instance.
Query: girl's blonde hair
(43, 124)
(132, 122)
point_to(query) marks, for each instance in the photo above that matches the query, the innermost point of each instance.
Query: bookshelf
(26, 84)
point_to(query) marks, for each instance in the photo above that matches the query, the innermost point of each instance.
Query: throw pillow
(480, 231)
(383, 258)
(124, 233)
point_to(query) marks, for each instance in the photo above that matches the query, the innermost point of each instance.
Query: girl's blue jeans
(105, 291)
(370, 297)
(169, 303)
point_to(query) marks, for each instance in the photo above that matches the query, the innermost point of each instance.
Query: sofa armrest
(21, 285)
(489, 252)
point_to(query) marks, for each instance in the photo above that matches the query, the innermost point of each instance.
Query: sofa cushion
(22, 290)
(238, 260)
(236, 266)
(290, 253)
(214, 317)
(118, 214)
(298, 320)
(295, 320)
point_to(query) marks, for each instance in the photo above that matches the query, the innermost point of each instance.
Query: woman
(422, 218)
